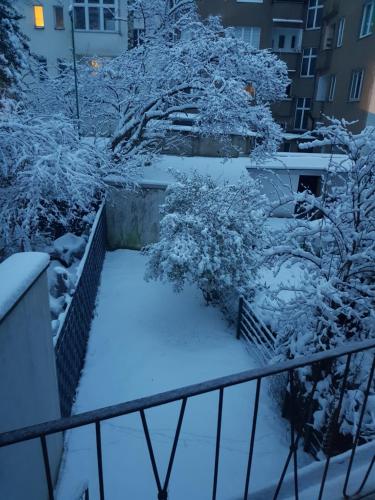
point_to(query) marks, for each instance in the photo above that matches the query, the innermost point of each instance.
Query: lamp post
(75, 67)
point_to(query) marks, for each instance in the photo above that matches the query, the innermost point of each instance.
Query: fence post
(239, 317)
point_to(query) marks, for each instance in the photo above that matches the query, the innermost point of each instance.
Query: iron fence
(70, 348)
(259, 375)
(252, 329)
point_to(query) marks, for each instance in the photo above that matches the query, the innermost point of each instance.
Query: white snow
(146, 339)
(17, 274)
(230, 169)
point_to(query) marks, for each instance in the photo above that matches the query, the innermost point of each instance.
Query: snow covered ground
(146, 339)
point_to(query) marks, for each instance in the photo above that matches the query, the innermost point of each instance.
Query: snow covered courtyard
(146, 339)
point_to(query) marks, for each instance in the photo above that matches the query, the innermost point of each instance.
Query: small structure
(133, 217)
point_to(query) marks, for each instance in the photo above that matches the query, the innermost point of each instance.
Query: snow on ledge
(17, 274)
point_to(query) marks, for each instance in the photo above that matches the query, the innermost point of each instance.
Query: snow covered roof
(228, 169)
(300, 161)
(17, 274)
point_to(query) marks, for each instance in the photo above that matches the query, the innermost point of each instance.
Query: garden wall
(28, 383)
(133, 217)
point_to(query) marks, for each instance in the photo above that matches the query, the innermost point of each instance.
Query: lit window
(332, 88)
(340, 33)
(38, 16)
(314, 14)
(95, 15)
(302, 112)
(367, 23)
(309, 62)
(356, 85)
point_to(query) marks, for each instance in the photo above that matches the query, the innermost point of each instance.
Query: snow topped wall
(28, 382)
(17, 274)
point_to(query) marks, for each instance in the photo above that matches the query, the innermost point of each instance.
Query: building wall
(28, 383)
(54, 44)
(355, 53)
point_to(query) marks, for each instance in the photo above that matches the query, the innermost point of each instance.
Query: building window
(58, 13)
(367, 23)
(286, 39)
(356, 85)
(302, 111)
(329, 35)
(340, 32)
(95, 15)
(314, 14)
(250, 34)
(309, 62)
(332, 88)
(38, 16)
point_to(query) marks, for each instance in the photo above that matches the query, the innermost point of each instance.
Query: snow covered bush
(336, 303)
(211, 235)
(49, 179)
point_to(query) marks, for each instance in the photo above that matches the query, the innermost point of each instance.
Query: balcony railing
(260, 376)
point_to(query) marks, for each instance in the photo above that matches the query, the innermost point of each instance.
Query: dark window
(94, 18)
(58, 13)
(79, 18)
(281, 44)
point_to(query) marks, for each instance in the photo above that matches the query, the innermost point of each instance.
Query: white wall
(28, 382)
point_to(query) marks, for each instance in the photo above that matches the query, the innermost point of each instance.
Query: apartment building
(328, 46)
(100, 29)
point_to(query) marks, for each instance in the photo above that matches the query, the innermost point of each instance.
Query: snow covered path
(147, 339)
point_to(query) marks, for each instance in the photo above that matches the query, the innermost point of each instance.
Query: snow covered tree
(183, 66)
(337, 301)
(211, 234)
(14, 49)
(49, 179)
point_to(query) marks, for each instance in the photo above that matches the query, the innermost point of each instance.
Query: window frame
(255, 34)
(55, 8)
(102, 6)
(316, 8)
(43, 20)
(304, 109)
(370, 23)
(357, 76)
(332, 88)
(310, 57)
(340, 32)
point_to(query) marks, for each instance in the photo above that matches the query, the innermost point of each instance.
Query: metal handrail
(109, 412)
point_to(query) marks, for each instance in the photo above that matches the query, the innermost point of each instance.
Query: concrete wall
(133, 218)
(28, 383)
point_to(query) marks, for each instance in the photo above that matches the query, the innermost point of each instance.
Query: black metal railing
(253, 330)
(70, 348)
(260, 376)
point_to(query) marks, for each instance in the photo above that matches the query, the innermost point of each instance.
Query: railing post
(239, 317)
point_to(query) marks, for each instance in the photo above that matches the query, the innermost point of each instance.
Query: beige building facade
(328, 46)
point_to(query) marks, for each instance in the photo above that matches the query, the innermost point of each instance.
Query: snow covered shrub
(49, 178)
(337, 301)
(211, 234)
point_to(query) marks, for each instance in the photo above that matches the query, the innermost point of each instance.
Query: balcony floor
(146, 339)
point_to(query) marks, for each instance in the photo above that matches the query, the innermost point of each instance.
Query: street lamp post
(75, 67)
